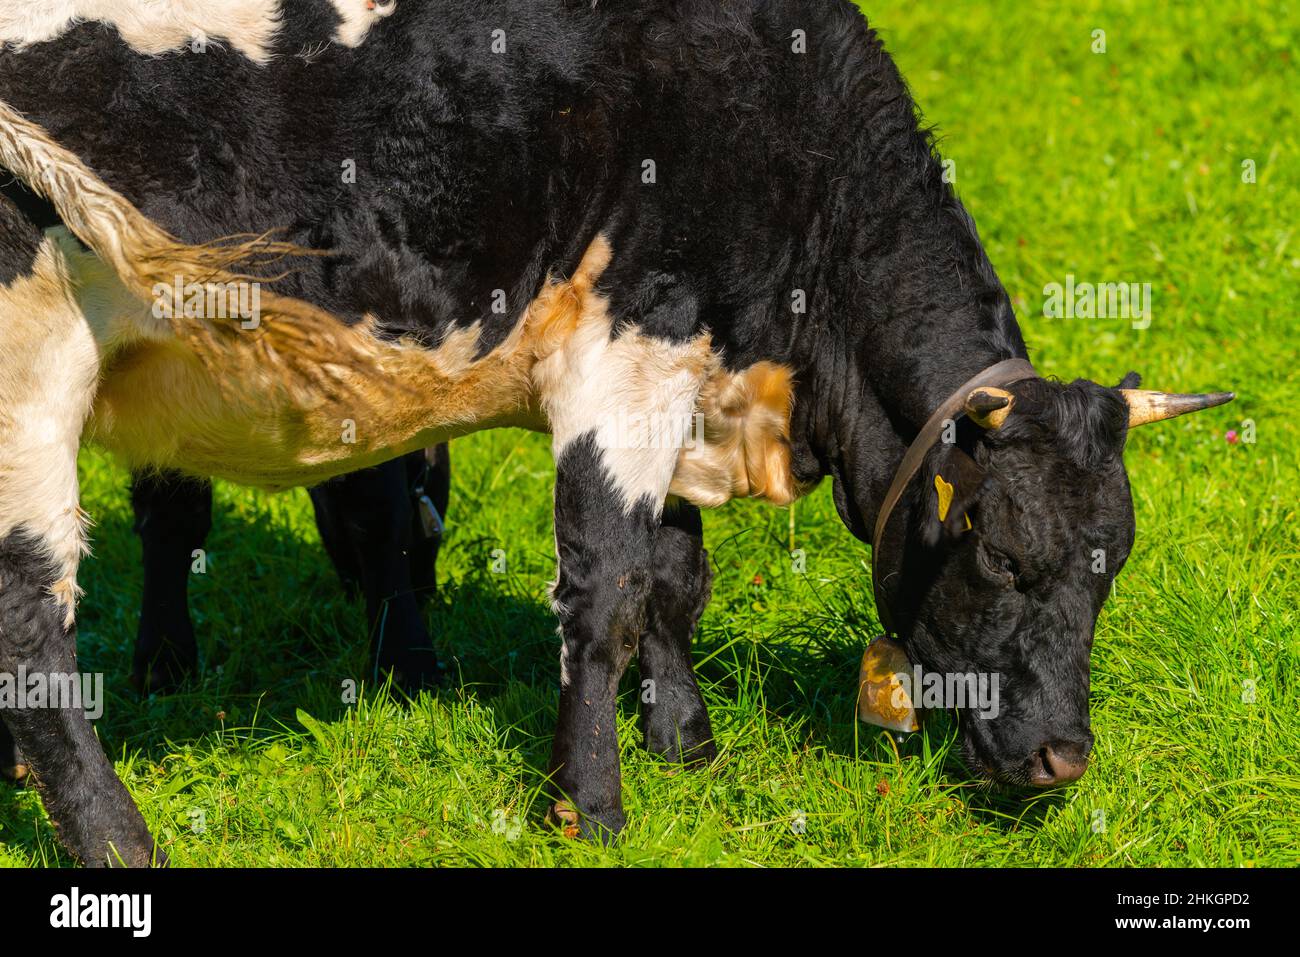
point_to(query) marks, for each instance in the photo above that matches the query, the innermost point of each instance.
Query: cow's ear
(1130, 381)
(953, 483)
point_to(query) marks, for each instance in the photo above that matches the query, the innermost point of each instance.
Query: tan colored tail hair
(296, 347)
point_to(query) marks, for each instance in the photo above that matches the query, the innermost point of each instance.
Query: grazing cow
(381, 528)
(706, 246)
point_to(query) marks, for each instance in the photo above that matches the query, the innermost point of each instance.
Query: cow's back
(455, 158)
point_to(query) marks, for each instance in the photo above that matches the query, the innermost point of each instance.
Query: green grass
(1119, 166)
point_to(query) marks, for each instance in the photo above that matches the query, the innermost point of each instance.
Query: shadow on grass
(279, 635)
(1010, 810)
(810, 677)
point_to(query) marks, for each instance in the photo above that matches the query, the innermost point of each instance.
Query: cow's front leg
(620, 402)
(620, 406)
(605, 578)
(673, 716)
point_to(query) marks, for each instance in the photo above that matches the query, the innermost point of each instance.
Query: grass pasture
(1119, 166)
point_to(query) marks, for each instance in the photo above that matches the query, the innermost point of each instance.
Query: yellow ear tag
(945, 499)
(945, 496)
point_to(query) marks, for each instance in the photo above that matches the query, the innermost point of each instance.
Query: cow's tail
(288, 344)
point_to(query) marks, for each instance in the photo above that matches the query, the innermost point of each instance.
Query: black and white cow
(604, 220)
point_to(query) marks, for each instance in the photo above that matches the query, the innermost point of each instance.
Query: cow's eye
(998, 566)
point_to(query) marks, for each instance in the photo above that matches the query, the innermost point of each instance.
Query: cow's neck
(928, 314)
(935, 320)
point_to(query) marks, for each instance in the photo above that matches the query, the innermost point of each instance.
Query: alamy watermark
(656, 430)
(1107, 300)
(82, 691)
(73, 910)
(209, 300)
(976, 692)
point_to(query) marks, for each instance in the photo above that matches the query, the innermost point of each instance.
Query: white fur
(358, 18)
(595, 384)
(149, 26)
(54, 324)
(153, 27)
(564, 659)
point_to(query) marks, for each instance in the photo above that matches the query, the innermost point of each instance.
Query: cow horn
(1145, 406)
(988, 407)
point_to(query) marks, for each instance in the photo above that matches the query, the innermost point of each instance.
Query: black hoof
(14, 770)
(109, 831)
(13, 767)
(131, 854)
(693, 756)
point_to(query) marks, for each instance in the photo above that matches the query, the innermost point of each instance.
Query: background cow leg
(330, 511)
(429, 470)
(673, 716)
(173, 515)
(370, 514)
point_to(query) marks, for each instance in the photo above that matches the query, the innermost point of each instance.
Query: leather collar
(998, 375)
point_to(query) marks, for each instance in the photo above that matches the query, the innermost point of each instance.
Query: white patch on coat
(561, 611)
(636, 393)
(151, 27)
(359, 16)
(54, 324)
(154, 27)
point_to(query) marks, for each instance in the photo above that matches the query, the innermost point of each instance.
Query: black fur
(20, 239)
(673, 716)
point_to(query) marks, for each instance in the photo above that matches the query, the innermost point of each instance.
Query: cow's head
(1021, 526)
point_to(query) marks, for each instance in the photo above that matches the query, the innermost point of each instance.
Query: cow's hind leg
(369, 515)
(49, 367)
(428, 473)
(94, 816)
(673, 716)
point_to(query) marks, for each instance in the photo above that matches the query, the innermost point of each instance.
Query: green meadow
(1171, 158)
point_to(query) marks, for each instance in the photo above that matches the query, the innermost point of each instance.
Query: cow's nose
(1058, 762)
